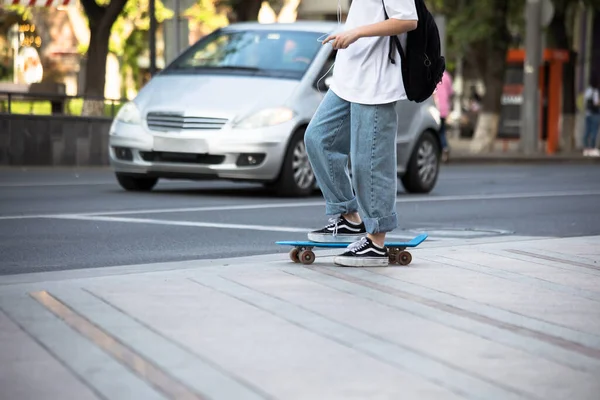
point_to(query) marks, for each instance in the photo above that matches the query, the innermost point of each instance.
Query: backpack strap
(394, 41)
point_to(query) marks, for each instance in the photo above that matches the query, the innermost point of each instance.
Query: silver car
(235, 106)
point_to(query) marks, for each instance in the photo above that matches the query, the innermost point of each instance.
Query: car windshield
(286, 54)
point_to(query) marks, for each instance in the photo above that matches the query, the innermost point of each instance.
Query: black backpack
(422, 62)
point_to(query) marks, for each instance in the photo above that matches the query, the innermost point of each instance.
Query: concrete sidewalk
(517, 319)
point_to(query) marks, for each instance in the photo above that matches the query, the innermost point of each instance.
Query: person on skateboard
(357, 118)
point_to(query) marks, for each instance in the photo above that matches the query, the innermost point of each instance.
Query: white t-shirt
(363, 72)
(589, 94)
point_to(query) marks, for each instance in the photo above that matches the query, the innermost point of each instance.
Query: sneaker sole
(322, 238)
(361, 261)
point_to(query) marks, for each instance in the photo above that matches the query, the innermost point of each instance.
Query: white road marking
(485, 177)
(44, 184)
(403, 199)
(181, 223)
(162, 184)
(217, 225)
(170, 210)
(211, 208)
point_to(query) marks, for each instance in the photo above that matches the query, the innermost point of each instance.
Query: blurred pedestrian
(592, 119)
(357, 117)
(443, 99)
(474, 100)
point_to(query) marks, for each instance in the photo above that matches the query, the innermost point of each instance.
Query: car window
(251, 52)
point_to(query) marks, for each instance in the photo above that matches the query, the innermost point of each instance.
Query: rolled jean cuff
(381, 225)
(346, 207)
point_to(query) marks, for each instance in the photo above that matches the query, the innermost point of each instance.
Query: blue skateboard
(302, 251)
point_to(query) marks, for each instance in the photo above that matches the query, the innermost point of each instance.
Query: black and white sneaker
(363, 253)
(338, 230)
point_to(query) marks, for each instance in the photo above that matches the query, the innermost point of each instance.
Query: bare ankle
(377, 238)
(353, 217)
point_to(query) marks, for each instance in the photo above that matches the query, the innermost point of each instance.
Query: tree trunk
(101, 20)
(246, 10)
(493, 77)
(96, 61)
(95, 70)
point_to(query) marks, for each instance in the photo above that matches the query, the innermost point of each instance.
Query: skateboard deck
(302, 250)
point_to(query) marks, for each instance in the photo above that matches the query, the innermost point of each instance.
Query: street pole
(177, 28)
(530, 108)
(152, 40)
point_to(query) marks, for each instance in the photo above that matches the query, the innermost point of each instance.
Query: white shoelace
(356, 246)
(334, 222)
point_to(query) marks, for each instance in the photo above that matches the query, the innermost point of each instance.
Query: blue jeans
(366, 133)
(442, 133)
(592, 124)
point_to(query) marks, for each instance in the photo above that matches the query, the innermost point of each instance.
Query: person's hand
(343, 40)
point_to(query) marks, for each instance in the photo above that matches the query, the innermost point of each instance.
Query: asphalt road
(66, 219)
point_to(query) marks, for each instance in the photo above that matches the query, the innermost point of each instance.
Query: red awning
(41, 3)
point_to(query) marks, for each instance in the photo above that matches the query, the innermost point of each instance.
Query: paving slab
(511, 319)
(88, 363)
(28, 371)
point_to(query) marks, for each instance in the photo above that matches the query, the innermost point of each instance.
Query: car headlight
(129, 114)
(435, 113)
(265, 118)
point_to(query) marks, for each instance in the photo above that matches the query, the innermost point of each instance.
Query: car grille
(181, 158)
(177, 122)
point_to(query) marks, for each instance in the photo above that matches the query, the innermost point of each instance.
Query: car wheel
(136, 184)
(296, 177)
(424, 165)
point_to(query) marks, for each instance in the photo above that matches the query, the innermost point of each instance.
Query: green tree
(477, 31)
(480, 31)
(8, 17)
(559, 35)
(101, 18)
(247, 10)
(207, 14)
(130, 36)
(492, 47)
(242, 10)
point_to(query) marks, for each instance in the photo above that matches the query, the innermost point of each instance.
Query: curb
(518, 159)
